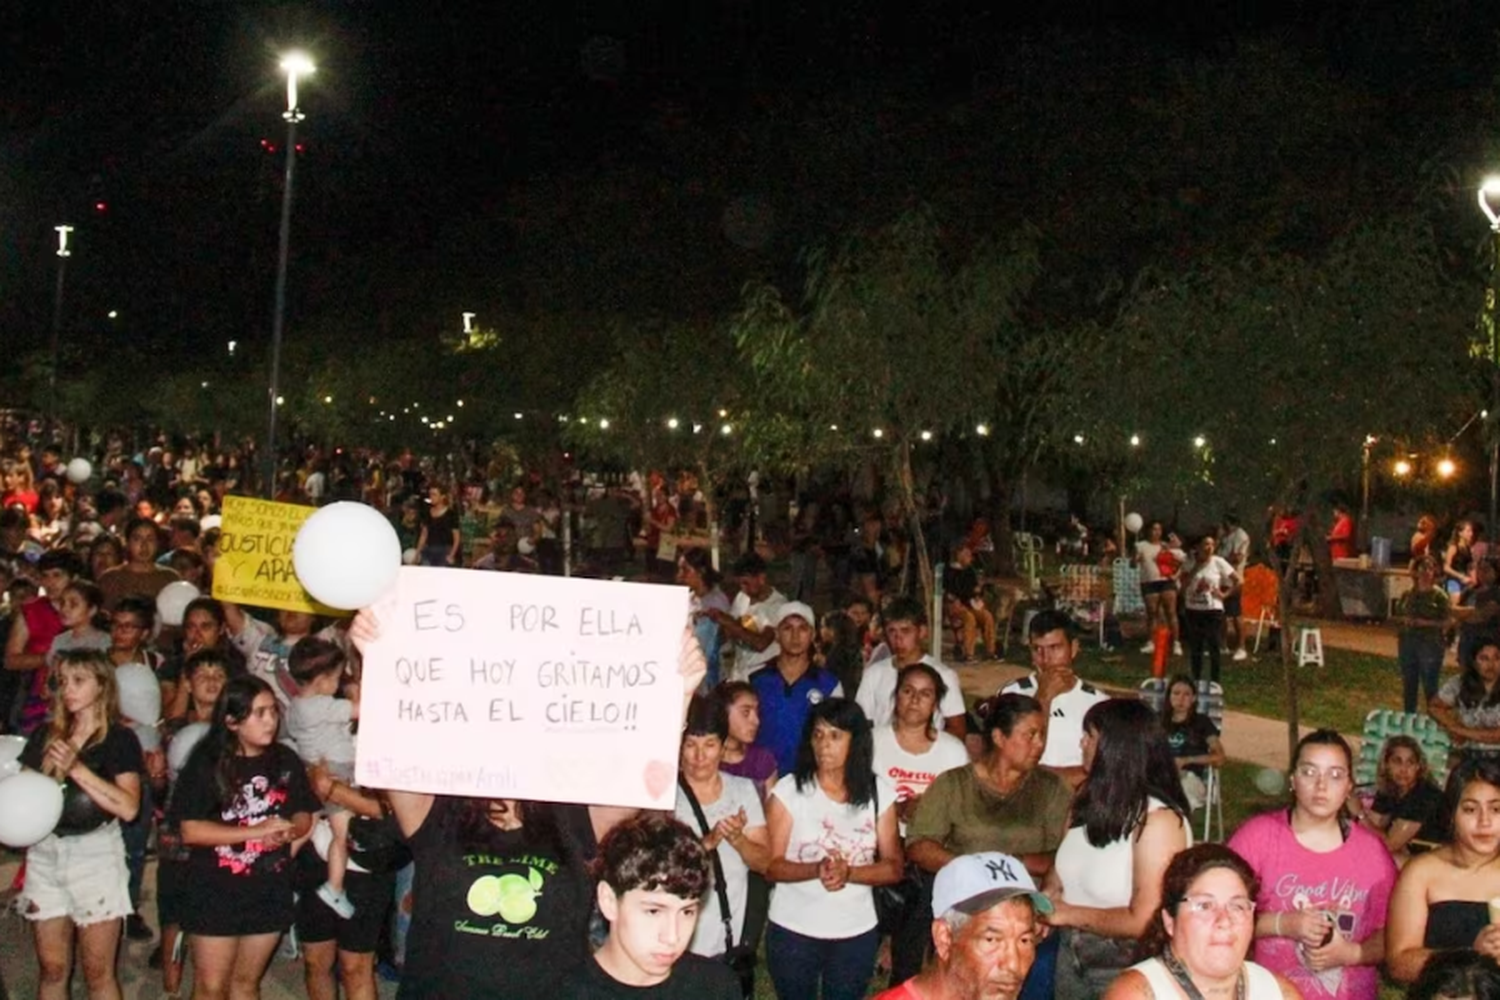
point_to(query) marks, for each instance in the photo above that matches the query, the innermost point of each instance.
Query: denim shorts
(83, 877)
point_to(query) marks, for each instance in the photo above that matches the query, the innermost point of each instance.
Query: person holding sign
(503, 894)
(267, 649)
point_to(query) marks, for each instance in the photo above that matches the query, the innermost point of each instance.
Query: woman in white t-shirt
(1158, 561)
(1206, 582)
(912, 752)
(733, 825)
(833, 836)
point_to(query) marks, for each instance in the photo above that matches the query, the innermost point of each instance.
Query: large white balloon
(30, 804)
(10, 755)
(140, 693)
(173, 599)
(182, 745)
(346, 555)
(79, 471)
(1134, 522)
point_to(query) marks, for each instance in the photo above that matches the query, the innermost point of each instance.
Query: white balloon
(346, 555)
(182, 745)
(10, 755)
(30, 805)
(525, 546)
(79, 471)
(1270, 781)
(140, 693)
(173, 599)
(1134, 522)
(410, 557)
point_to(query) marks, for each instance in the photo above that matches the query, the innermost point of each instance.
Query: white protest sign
(508, 685)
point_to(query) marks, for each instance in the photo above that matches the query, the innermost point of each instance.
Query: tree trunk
(1315, 537)
(710, 511)
(908, 497)
(1287, 574)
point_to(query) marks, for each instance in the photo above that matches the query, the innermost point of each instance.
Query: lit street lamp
(1489, 196)
(294, 65)
(63, 253)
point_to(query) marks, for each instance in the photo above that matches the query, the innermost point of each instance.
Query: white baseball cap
(796, 609)
(974, 882)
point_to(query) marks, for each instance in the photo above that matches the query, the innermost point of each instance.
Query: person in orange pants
(965, 607)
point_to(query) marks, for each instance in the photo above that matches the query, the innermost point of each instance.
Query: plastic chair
(1029, 552)
(1381, 724)
(1211, 704)
(1309, 647)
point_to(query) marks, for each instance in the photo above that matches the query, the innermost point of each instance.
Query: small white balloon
(182, 746)
(10, 755)
(410, 557)
(1134, 522)
(30, 805)
(1270, 781)
(346, 555)
(79, 471)
(173, 599)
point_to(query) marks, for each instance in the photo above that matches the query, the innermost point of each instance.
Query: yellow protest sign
(255, 556)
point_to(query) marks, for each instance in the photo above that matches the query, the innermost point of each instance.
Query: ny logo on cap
(1000, 870)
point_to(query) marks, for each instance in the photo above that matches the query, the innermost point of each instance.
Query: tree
(898, 334)
(1282, 365)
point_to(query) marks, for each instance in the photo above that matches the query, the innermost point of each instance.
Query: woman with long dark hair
(1468, 706)
(1192, 736)
(1325, 881)
(1441, 901)
(241, 800)
(841, 647)
(1129, 820)
(833, 838)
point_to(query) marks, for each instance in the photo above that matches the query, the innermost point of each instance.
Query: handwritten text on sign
(507, 685)
(255, 556)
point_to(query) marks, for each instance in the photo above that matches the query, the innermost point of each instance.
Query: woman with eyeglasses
(1325, 880)
(1442, 899)
(1197, 942)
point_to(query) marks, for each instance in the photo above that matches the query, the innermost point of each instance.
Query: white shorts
(84, 878)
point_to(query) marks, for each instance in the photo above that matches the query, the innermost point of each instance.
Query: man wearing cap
(750, 623)
(790, 685)
(1065, 697)
(984, 931)
(905, 633)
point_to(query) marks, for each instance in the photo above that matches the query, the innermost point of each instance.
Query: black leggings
(1205, 629)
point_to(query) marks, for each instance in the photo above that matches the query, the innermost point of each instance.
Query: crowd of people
(844, 823)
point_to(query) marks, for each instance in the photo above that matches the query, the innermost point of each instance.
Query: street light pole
(63, 253)
(1489, 194)
(294, 65)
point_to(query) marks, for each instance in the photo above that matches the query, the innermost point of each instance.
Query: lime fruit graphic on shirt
(513, 897)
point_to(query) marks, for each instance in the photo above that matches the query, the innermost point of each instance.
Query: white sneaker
(1176, 649)
(336, 900)
(1149, 647)
(1240, 654)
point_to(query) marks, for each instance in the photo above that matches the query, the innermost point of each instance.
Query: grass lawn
(1339, 694)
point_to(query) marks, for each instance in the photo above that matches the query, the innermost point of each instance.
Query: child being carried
(319, 723)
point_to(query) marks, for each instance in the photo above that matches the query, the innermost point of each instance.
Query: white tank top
(1260, 983)
(1101, 877)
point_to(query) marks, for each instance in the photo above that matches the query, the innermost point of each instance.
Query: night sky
(438, 133)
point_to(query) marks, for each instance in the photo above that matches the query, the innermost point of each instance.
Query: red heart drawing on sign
(658, 778)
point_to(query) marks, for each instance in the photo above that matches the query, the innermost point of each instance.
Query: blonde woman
(77, 880)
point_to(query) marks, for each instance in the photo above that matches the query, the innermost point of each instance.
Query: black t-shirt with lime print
(509, 920)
